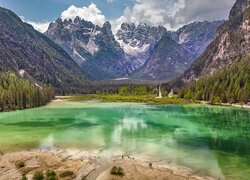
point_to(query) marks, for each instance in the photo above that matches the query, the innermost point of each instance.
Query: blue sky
(170, 13)
(48, 10)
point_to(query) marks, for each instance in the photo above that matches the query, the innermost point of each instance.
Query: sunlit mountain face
(143, 89)
(115, 39)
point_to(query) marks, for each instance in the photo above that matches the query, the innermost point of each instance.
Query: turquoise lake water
(211, 140)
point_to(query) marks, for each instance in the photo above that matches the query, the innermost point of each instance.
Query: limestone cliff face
(195, 37)
(151, 55)
(94, 48)
(167, 61)
(238, 8)
(232, 42)
(138, 42)
(136, 51)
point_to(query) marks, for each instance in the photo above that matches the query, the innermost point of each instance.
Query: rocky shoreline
(83, 165)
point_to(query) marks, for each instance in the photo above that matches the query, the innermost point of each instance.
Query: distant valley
(134, 51)
(201, 61)
(123, 96)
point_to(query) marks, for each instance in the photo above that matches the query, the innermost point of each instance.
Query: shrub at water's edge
(18, 93)
(132, 98)
(38, 176)
(67, 174)
(139, 94)
(118, 171)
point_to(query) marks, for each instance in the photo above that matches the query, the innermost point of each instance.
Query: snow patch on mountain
(133, 50)
(136, 41)
(183, 37)
(22, 72)
(91, 46)
(77, 55)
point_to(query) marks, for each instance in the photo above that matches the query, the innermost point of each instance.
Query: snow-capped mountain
(229, 49)
(195, 37)
(94, 48)
(138, 42)
(136, 51)
(167, 61)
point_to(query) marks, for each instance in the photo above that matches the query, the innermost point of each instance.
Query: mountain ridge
(107, 56)
(195, 37)
(167, 61)
(33, 55)
(231, 41)
(221, 74)
(138, 41)
(94, 48)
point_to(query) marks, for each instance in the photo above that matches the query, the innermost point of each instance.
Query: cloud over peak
(169, 13)
(175, 13)
(39, 26)
(90, 13)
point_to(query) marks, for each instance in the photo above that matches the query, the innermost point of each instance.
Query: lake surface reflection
(212, 140)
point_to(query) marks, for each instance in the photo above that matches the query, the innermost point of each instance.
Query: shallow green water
(211, 140)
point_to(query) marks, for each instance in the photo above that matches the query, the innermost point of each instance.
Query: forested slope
(19, 93)
(222, 73)
(231, 84)
(31, 54)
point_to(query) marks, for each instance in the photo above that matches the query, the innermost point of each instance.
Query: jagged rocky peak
(239, 7)
(128, 26)
(167, 61)
(107, 27)
(94, 48)
(138, 41)
(59, 26)
(138, 36)
(104, 55)
(77, 19)
(230, 46)
(80, 29)
(195, 37)
(73, 33)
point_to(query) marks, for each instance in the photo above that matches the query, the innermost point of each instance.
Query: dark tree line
(231, 84)
(18, 93)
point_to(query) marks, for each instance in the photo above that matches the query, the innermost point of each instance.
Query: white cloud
(170, 13)
(116, 24)
(110, 1)
(197, 10)
(39, 26)
(90, 13)
(175, 13)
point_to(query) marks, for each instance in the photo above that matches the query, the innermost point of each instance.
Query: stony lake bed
(89, 138)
